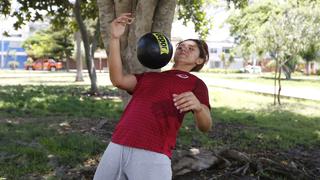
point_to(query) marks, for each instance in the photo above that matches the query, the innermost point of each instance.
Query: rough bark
(95, 42)
(79, 76)
(106, 15)
(86, 44)
(164, 17)
(150, 15)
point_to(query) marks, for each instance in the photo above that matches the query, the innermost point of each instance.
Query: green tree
(285, 36)
(246, 24)
(227, 59)
(64, 46)
(154, 15)
(282, 31)
(83, 9)
(49, 43)
(150, 16)
(40, 44)
(60, 13)
(194, 11)
(312, 53)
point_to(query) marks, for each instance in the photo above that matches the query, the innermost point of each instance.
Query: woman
(142, 142)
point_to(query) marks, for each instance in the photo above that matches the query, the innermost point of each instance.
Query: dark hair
(204, 52)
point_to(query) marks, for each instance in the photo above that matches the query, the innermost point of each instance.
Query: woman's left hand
(186, 101)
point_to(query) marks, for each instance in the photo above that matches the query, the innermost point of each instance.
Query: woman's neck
(181, 68)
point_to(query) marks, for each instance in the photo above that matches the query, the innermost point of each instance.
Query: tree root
(232, 164)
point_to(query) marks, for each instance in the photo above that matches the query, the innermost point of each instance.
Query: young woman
(143, 140)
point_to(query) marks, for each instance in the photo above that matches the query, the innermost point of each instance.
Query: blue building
(11, 47)
(11, 50)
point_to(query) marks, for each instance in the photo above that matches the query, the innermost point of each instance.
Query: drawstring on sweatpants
(120, 164)
(127, 160)
(129, 157)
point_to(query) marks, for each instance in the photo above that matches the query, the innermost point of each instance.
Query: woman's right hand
(118, 25)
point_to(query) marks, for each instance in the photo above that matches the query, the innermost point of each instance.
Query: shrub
(13, 64)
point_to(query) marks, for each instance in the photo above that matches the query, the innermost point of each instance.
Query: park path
(301, 93)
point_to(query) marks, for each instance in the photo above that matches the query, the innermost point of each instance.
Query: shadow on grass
(39, 147)
(36, 149)
(41, 101)
(32, 140)
(268, 129)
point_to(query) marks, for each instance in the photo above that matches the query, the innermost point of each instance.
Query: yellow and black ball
(154, 50)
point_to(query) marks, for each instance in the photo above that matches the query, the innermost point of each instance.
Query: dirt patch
(301, 160)
(294, 164)
(101, 128)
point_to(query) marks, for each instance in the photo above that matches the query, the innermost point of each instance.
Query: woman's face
(187, 52)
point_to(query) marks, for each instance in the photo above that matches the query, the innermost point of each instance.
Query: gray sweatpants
(126, 163)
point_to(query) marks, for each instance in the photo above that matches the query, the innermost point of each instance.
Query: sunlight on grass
(233, 99)
(260, 124)
(317, 132)
(268, 79)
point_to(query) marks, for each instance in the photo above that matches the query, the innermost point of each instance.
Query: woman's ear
(199, 61)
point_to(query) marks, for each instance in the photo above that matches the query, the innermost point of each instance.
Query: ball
(154, 50)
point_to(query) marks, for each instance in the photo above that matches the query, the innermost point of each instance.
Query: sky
(220, 31)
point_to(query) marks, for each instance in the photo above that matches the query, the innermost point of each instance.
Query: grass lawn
(295, 122)
(250, 121)
(297, 80)
(37, 132)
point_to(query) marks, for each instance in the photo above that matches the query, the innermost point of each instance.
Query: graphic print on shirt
(182, 76)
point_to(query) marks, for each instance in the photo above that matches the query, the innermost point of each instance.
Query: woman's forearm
(114, 61)
(203, 118)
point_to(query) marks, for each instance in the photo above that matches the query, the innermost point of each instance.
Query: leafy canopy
(49, 43)
(284, 29)
(60, 12)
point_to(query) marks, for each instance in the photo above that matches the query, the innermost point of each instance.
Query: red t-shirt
(151, 121)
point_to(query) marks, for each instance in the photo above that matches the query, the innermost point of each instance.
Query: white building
(216, 49)
(219, 40)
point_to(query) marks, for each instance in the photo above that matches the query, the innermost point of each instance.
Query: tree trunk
(79, 76)
(307, 68)
(275, 82)
(150, 16)
(86, 44)
(287, 72)
(66, 55)
(67, 63)
(279, 84)
(312, 68)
